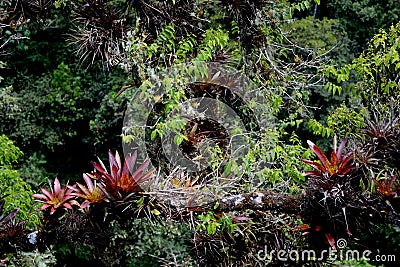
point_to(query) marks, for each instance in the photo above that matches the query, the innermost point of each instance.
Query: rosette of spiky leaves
(59, 197)
(386, 187)
(382, 131)
(10, 228)
(36, 9)
(384, 138)
(367, 158)
(91, 193)
(100, 27)
(339, 164)
(8, 225)
(122, 181)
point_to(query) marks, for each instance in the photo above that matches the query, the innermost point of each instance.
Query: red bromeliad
(386, 188)
(122, 180)
(91, 193)
(338, 165)
(58, 197)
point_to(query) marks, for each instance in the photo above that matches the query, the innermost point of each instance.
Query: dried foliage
(100, 28)
(36, 9)
(11, 21)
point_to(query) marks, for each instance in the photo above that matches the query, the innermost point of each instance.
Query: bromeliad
(91, 193)
(122, 180)
(58, 197)
(10, 228)
(386, 187)
(326, 171)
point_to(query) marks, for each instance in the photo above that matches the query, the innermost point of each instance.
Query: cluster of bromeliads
(351, 195)
(104, 193)
(346, 194)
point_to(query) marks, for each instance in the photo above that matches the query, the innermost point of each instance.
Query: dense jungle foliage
(293, 147)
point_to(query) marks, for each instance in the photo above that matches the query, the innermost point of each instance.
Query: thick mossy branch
(268, 200)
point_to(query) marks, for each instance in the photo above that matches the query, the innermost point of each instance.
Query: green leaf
(178, 139)
(153, 134)
(156, 212)
(228, 168)
(140, 201)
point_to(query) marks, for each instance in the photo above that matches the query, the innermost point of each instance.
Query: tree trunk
(268, 200)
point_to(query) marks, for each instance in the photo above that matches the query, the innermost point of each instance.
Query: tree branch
(268, 200)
